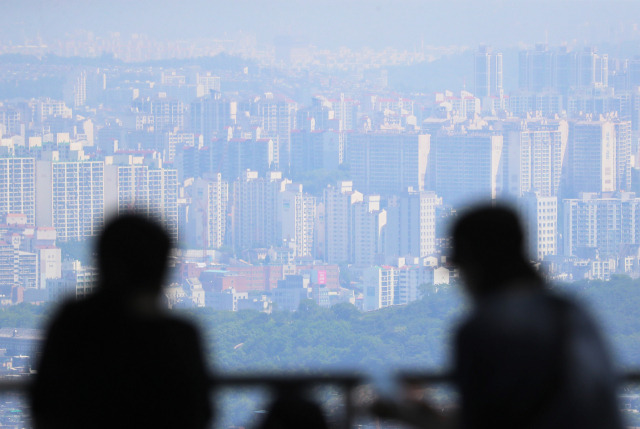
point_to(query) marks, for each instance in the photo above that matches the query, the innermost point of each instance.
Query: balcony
(354, 392)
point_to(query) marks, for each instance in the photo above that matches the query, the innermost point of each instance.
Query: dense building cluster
(280, 186)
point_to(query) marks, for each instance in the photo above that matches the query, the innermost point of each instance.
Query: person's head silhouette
(118, 350)
(488, 247)
(132, 256)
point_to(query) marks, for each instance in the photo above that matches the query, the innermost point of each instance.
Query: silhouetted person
(116, 359)
(292, 409)
(524, 357)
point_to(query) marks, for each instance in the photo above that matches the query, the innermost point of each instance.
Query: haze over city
(308, 159)
(331, 24)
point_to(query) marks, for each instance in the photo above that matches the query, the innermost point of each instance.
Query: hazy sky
(331, 23)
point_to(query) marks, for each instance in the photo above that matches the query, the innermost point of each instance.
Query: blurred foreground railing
(345, 382)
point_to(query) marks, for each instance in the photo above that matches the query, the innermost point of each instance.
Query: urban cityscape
(271, 198)
(288, 172)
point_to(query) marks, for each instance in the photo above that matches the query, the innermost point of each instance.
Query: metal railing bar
(20, 383)
(346, 381)
(287, 379)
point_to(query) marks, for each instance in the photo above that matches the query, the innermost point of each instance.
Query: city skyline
(354, 24)
(283, 159)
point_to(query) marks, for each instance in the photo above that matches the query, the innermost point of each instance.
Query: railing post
(348, 406)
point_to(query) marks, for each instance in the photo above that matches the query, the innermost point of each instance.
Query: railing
(346, 382)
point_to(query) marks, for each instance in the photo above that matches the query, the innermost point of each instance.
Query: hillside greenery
(25, 316)
(341, 337)
(415, 336)
(411, 336)
(616, 306)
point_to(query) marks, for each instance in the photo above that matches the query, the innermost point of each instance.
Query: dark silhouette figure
(292, 409)
(116, 359)
(525, 357)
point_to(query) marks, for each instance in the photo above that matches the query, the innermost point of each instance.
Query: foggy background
(331, 23)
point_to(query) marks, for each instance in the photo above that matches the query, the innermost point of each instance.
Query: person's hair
(132, 254)
(491, 238)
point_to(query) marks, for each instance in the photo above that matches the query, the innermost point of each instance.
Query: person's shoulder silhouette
(116, 359)
(525, 357)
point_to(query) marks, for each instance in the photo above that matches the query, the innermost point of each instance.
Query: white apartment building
(291, 291)
(254, 213)
(11, 120)
(534, 160)
(623, 155)
(151, 192)
(162, 113)
(18, 188)
(17, 267)
(8, 275)
(312, 150)
(345, 110)
(226, 300)
(379, 286)
(592, 145)
(368, 231)
(163, 199)
(174, 141)
(211, 114)
(208, 212)
(601, 222)
(463, 105)
(411, 224)
(76, 89)
(27, 269)
(277, 119)
(208, 82)
(388, 162)
(296, 215)
(522, 103)
(339, 203)
(412, 277)
(49, 264)
(468, 166)
(77, 282)
(70, 198)
(46, 108)
(540, 218)
(487, 72)
(409, 280)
